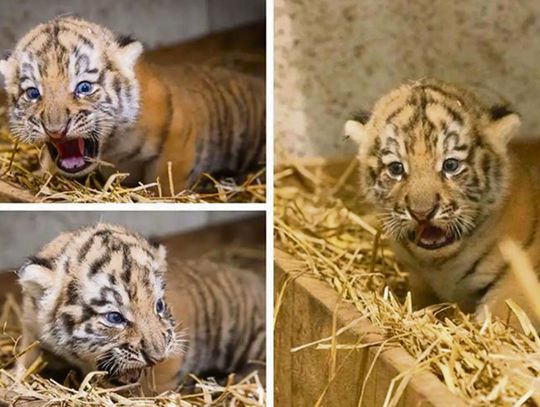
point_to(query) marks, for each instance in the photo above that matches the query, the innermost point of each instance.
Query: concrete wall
(155, 22)
(22, 233)
(335, 57)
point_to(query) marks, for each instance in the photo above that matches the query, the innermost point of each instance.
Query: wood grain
(305, 316)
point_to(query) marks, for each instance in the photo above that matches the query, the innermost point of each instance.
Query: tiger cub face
(433, 162)
(96, 299)
(71, 85)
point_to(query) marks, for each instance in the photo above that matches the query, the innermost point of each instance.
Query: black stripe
(127, 264)
(72, 293)
(40, 261)
(98, 264)
(481, 293)
(165, 129)
(474, 266)
(68, 323)
(534, 228)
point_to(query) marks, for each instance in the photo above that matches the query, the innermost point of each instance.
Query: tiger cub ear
(504, 124)
(36, 277)
(128, 52)
(161, 257)
(7, 67)
(354, 128)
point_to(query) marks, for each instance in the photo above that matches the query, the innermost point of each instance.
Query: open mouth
(431, 237)
(74, 155)
(127, 376)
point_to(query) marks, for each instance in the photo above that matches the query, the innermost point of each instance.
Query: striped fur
(71, 287)
(457, 190)
(136, 116)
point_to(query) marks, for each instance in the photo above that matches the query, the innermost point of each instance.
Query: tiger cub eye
(396, 168)
(450, 165)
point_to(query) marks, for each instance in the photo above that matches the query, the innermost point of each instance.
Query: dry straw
(19, 165)
(249, 391)
(485, 364)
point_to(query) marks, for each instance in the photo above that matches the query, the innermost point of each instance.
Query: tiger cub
(436, 166)
(97, 299)
(90, 97)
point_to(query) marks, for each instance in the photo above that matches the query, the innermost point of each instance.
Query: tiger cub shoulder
(92, 98)
(436, 165)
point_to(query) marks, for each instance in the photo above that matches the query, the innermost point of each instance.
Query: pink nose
(57, 133)
(423, 215)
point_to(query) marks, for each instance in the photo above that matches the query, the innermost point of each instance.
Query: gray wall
(23, 233)
(156, 22)
(335, 57)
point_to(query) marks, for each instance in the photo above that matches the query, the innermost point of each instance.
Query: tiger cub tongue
(430, 234)
(71, 154)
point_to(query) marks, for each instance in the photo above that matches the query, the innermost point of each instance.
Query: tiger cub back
(228, 112)
(225, 325)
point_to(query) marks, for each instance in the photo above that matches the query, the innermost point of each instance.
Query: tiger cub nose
(56, 132)
(423, 215)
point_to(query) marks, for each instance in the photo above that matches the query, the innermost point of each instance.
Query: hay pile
(489, 364)
(19, 163)
(248, 392)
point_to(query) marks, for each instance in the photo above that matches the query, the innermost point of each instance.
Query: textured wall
(335, 57)
(25, 232)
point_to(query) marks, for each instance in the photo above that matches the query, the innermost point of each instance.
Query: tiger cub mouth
(431, 237)
(127, 376)
(74, 155)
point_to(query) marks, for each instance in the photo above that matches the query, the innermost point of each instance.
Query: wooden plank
(9, 193)
(305, 316)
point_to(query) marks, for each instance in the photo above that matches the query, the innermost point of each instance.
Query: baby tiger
(89, 96)
(97, 299)
(436, 166)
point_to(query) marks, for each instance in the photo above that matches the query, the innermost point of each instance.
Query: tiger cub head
(71, 85)
(433, 163)
(95, 299)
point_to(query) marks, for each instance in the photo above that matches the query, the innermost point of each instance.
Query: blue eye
(114, 318)
(450, 165)
(84, 88)
(396, 168)
(32, 93)
(160, 306)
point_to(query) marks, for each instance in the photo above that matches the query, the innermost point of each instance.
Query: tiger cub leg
(176, 164)
(421, 292)
(496, 302)
(164, 377)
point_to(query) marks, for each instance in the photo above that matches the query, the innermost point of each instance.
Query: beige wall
(335, 57)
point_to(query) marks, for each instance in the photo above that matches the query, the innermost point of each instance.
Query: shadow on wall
(334, 58)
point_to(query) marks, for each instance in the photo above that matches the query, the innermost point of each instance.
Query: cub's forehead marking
(62, 44)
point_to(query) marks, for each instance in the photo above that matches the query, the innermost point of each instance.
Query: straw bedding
(19, 165)
(488, 364)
